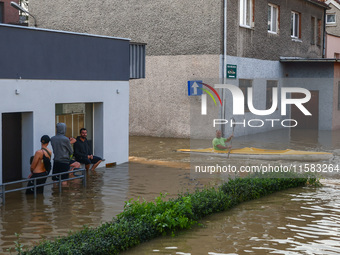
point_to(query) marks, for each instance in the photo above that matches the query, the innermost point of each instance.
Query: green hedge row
(142, 221)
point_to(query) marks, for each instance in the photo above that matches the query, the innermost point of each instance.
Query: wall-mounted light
(117, 91)
(17, 91)
(18, 7)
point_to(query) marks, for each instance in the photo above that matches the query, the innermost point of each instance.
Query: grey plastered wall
(257, 43)
(177, 27)
(334, 29)
(160, 105)
(314, 76)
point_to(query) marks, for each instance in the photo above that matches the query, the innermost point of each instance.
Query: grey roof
(319, 3)
(298, 59)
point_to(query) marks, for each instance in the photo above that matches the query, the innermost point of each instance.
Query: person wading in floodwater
(40, 165)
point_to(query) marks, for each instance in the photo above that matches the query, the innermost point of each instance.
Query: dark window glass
(1, 12)
(269, 93)
(244, 84)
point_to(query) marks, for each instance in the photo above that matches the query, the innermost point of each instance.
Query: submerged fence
(35, 185)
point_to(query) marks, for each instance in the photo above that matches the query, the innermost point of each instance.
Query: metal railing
(35, 185)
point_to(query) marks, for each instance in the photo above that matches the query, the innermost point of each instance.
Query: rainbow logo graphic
(195, 88)
(208, 92)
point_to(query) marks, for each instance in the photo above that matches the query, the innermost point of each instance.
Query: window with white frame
(273, 18)
(295, 24)
(330, 19)
(246, 13)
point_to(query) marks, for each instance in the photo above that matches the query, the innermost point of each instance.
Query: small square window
(330, 19)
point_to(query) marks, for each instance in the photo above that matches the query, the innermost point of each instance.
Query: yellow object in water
(251, 152)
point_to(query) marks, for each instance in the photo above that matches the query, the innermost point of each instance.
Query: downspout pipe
(224, 62)
(324, 34)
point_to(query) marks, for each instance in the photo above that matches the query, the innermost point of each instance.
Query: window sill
(331, 25)
(273, 33)
(294, 39)
(248, 27)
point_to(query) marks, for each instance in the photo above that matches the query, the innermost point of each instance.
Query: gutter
(324, 35)
(224, 62)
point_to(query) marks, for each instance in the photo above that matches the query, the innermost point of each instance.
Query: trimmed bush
(142, 221)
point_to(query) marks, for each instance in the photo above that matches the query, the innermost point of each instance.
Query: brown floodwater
(297, 221)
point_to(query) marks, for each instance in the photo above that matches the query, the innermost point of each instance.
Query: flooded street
(297, 221)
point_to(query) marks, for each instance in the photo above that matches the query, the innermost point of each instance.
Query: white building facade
(43, 71)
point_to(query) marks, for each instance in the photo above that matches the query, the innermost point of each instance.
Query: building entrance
(11, 147)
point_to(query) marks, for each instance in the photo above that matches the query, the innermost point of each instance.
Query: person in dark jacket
(83, 151)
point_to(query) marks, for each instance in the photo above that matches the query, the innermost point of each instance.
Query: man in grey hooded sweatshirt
(62, 151)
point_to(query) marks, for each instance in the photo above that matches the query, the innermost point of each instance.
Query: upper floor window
(1, 12)
(318, 41)
(316, 31)
(273, 18)
(295, 29)
(246, 13)
(313, 29)
(338, 95)
(330, 19)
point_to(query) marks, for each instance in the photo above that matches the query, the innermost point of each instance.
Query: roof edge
(298, 59)
(318, 3)
(64, 32)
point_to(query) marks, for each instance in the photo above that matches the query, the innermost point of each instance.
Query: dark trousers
(39, 181)
(88, 161)
(59, 167)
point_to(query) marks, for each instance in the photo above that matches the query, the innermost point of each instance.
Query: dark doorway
(307, 122)
(11, 147)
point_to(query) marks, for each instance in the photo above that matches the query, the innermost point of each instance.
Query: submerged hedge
(142, 221)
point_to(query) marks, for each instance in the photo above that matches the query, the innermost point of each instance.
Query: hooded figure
(62, 151)
(61, 145)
